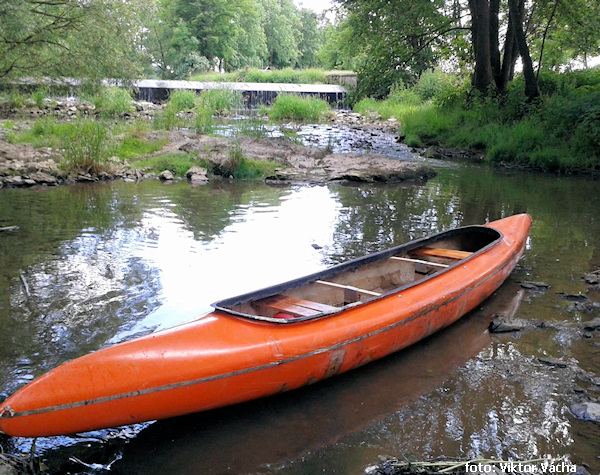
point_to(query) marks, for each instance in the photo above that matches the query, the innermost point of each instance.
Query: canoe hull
(222, 359)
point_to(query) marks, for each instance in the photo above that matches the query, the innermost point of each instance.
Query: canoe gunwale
(352, 264)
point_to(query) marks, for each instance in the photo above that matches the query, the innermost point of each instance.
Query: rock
(29, 182)
(15, 181)
(573, 297)
(549, 361)
(535, 285)
(44, 178)
(587, 411)
(197, 175)
(592, 325)
(198, 179)
(592, 278)
(506, 325)
(165, 175)
(588, 377)
(585, 306)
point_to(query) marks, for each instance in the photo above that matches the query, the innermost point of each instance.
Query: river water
(98, 264)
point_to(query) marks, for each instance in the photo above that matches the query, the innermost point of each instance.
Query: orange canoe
(276, 339)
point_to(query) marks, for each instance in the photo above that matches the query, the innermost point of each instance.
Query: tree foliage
(93, 38)
(399, 39)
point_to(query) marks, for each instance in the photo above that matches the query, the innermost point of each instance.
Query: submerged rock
(540, 286)
(507, 325)
(587, 411)
(573, 297)
(549, 361)
(592, 278)
(592, 325)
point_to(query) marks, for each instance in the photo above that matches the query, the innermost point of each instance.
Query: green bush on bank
(294, 107)
(112, 102)
(560, 132)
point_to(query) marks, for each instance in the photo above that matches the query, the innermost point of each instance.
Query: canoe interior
(363, 279)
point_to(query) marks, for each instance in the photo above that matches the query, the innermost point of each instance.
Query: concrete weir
(254, 93)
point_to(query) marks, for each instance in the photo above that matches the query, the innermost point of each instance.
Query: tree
(311, 38)
(398, 40)
(282, 29)
(490, 71)
(93, 38)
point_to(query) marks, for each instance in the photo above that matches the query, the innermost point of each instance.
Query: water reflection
(105, 263)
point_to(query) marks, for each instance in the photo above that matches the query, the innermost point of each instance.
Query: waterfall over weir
(254, 93)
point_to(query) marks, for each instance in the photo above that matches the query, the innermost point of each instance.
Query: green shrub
(167, 119)
(182, 100)
(113, 102)
(15, 99)
(294, 107)
(220, 101)
(434, 83)
(204, 121)
(87, 147)
(39, 96)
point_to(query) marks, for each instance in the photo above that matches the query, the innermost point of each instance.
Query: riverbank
(557, 133)
(36, 152)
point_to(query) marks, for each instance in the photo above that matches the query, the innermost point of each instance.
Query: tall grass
(112, 102)
(294, 107)
(182, 100)
(220, 101)
(287, 75)
(87, 148)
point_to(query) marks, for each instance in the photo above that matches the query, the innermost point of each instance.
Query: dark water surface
(98, 264)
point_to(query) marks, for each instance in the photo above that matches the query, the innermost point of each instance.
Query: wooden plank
(294, 306)
(321, 307)
(438, 252)
(348, 287)
(419, 261)
(274, 303)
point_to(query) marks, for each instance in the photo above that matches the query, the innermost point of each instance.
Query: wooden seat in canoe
(294, 306)
(443, 253)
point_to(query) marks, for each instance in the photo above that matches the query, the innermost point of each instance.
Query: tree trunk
(511, 53)
(495, 42)
(531, 83)
(480, 19)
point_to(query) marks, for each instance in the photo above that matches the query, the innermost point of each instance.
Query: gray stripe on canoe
(216, 377)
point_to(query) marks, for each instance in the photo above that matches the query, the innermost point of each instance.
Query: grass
(176, 163)
(294, 107)
(132, 147)
(87, 147)
(237, 165)
(287, 75)
(219, 101)
(182, 100)
(112, 102)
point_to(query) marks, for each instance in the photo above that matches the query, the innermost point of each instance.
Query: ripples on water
(108, 262)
